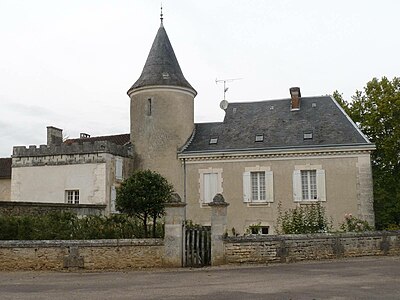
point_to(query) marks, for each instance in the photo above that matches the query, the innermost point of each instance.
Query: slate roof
(119, 139)
(5, 168)
(281, 127)
(161, 67)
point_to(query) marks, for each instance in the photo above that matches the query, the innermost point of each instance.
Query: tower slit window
(149, 108)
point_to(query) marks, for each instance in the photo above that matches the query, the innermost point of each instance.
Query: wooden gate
(198, 246)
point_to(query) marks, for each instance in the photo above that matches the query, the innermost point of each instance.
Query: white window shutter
(118, 168)
(113, 197)
(246, 187)
(269, 185)
(321, 193)
(297, 195)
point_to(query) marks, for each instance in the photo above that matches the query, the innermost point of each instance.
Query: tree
(144, 195)
(376, 110)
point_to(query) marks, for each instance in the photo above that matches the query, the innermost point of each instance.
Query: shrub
(302, 220)
(67, 226)
(353, 224)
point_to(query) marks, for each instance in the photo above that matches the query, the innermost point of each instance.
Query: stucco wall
(48, 183)
(341, 185)
(5, 189)
(157, 137)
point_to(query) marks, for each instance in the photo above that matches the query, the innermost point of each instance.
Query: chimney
(54, 136)
(295, 95)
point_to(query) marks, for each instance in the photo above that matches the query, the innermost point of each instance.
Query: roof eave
(284, 150)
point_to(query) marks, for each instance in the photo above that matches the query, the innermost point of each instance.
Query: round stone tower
(162, 112)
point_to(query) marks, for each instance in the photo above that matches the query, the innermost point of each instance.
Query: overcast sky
(69, 63)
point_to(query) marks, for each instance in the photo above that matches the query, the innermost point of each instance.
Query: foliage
(376, 110)
(353, 224)
(67, 226)
(253, 229)
(303, 219)
(144, 195)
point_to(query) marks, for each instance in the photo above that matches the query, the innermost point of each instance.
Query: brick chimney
(295, 95)
(54, 136)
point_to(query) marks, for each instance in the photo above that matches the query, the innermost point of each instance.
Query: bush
(353, 224)
(302, 220)
(67, 226)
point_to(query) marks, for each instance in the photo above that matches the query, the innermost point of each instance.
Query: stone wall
(12, 208)
(291, 248)
(88, 255)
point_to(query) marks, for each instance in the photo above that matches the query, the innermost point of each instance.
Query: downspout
(184, 215)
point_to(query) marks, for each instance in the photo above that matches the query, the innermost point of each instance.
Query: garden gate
(197, 246)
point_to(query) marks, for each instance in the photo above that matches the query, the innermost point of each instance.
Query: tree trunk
(145, 224)
(154, 225)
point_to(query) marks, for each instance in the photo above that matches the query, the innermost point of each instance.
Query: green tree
(376, 110)
(144, 195)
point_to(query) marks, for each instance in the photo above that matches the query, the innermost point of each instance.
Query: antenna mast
(225, 81)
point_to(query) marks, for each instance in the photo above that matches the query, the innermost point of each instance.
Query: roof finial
(161, 16)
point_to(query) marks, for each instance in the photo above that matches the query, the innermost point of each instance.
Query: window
(213, 140)
(210, 184)
(308, 135)
(258, 185)
(72, 197)
(149, 108)
(118, 168)
(309, 183)
(259, 137)
(259, 230)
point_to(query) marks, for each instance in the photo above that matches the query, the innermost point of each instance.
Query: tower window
(149, 108)
(213, 140)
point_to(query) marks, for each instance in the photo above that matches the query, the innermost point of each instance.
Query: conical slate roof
(162, 67)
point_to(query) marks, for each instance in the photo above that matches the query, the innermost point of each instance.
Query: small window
(259, 230)
(213, 140)
(313, 104)
(149, 108)
(165, 75)
(308, 135)
(259, 137)
(72, 197)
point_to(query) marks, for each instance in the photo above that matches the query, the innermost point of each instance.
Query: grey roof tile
(281, 127)
(5, 168)
(118, 139)
(161, 67)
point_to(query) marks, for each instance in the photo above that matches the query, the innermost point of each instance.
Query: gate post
(173, 232)
(219, 210)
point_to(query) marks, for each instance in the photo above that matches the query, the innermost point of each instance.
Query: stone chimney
(295, 95)
(54, 136)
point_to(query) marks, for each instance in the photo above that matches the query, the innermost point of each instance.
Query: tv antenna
(225, 81)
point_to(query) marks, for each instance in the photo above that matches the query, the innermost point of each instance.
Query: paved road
(362, 278)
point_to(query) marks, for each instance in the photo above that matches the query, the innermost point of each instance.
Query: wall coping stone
(80, 243)
(43, 204)
(286, 237)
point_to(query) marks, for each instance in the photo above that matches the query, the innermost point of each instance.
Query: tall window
(309, 184)
(72, 196)
(257, 186)
(118, 168)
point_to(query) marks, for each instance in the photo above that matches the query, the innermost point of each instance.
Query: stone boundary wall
(16, 208)
(88, 254)
(292, 248)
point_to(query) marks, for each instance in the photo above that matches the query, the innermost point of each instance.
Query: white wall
(48, 183)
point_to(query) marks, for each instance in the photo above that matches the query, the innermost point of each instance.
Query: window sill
(258, 204)
(308, 201)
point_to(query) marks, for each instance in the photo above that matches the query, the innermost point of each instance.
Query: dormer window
(308, 135)
(259, 137)
(165, 75)
(213, 140)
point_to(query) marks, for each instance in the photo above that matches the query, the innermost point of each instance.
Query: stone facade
(292, 248)
(5, 189)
